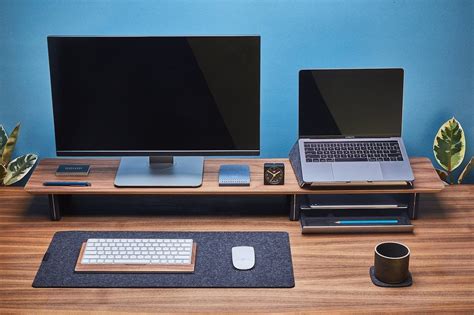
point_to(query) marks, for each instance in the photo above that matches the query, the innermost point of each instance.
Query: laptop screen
(350, 102)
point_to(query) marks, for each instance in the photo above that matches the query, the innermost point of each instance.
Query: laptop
(350, 123)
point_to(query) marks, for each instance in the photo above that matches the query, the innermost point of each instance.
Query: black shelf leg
(56, 202)
(295, 206)
(413, 202)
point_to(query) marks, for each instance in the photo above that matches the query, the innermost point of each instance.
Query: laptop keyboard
(352, 151)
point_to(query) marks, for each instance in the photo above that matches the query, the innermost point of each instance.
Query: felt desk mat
(213, 269)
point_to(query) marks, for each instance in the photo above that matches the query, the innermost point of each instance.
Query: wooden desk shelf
(103, 172)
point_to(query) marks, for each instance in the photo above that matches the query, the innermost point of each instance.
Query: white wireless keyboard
(137, 255)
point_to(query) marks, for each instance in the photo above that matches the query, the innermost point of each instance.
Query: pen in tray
(81, 184)
(369, 221)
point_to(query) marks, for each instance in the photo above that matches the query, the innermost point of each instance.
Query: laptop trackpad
(357, 171)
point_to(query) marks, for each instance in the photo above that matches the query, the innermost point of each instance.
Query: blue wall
(432, 40)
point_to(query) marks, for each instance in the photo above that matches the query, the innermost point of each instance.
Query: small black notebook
(72, 170)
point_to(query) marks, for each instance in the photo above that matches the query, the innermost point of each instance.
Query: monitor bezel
(218, 152)
(158, 152)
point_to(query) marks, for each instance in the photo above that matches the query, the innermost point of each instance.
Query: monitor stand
(160, 171)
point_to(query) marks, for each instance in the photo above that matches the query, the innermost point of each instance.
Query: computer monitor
(159, 102)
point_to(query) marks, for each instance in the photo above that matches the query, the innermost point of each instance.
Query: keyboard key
(348, 159)
(131, 261)
(90, 256)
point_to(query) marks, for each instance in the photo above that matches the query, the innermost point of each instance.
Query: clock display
(274, 174)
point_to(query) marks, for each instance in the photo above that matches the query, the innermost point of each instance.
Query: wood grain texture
(103, 172)
(331, 271)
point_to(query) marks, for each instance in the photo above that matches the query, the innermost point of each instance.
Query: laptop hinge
(344, 137)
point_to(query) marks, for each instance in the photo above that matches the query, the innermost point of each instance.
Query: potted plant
(11, 171)
(449, 148)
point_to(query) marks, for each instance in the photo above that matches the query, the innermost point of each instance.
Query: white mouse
(243, 257)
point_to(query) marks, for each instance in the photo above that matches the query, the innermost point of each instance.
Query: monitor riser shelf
(103, 171)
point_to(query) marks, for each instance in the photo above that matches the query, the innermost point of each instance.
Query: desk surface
(103, 172)
(331, 271)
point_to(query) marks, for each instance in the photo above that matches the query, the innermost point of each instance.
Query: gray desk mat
(213, 269)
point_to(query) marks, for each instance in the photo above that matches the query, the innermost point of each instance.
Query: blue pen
(367, 222)
(66, 184)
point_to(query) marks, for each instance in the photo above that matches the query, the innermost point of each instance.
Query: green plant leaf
(3, 172)
(449, 145)
(3, 138)
(19, 167)
(466, 170)
(10, 145)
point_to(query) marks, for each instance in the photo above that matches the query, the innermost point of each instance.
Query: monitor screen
(197, 95)
(350, 103)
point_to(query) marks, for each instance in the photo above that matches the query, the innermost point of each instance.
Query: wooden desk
(103, 172)
(331, 271)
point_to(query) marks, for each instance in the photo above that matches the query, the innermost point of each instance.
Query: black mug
(391, 262)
